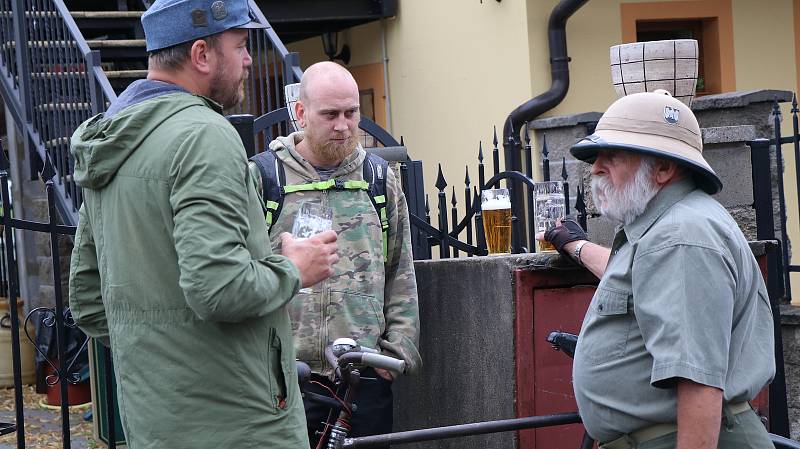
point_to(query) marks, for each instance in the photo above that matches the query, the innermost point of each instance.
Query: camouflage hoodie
(367, 299)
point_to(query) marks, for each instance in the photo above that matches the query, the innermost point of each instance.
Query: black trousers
(373, 415)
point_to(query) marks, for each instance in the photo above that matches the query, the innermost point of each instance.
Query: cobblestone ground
(43, 426)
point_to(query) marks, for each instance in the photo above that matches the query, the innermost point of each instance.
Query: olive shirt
(682, 297)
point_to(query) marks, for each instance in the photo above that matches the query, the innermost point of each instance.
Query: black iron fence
(449, 227)
(57, 318)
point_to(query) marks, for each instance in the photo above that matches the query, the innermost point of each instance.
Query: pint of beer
(496, 216)
(548, 208)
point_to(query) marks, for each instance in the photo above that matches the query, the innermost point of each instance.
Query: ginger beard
(328, 145)
(623, 204)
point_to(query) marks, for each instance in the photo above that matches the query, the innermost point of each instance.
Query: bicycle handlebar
(373, 360)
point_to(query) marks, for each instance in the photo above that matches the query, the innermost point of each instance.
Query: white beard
(623, 205)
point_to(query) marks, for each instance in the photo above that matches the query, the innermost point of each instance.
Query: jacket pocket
(356, 315)
(277, 370)
(606, 335)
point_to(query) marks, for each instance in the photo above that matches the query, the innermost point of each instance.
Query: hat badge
(218, 10)
(671, 115)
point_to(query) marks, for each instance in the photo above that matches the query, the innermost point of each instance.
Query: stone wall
(728, 121)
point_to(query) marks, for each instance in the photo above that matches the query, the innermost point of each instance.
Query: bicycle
(347, 358)
(351, 356)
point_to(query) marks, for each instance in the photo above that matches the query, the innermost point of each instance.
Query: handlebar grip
(303, 372)
(383, 362)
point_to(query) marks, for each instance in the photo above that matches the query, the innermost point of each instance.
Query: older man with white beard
(678, 336)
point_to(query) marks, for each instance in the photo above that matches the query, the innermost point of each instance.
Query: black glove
(568, 231)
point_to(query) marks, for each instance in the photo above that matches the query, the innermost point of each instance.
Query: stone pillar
(727, 120)
(790, 328)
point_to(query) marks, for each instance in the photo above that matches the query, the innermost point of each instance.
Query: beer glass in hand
(548, 209)
(311, 219)
(496, 216)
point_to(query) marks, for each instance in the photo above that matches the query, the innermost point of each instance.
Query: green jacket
(369, 299)
(173, 266)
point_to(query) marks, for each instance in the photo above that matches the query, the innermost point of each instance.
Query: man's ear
(201, 56)
(300, 113)
(666, 171)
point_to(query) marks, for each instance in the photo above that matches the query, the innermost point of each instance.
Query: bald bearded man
(372, 294)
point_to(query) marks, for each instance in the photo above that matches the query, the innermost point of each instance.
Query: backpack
(273, 177)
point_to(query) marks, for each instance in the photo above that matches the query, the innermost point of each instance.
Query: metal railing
(51, 81)
(256, 133)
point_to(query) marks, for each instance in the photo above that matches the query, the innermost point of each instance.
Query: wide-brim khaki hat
(654, 124)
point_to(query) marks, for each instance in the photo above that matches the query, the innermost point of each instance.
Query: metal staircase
(71, 64)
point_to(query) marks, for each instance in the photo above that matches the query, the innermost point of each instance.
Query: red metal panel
(547, 301)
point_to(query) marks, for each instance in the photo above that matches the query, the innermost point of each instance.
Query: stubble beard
(622, 205)
(228, 94)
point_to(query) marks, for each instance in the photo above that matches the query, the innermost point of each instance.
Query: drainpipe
(385, 58)
(559, 73)
(559, 70)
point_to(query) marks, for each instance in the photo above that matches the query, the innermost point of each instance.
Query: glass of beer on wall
(548, 208)
(496, 216)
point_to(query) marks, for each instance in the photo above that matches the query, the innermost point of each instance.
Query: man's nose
(248, 60)
(341, 124)
(597, 167)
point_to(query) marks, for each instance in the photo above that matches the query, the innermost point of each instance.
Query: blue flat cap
(173, 22)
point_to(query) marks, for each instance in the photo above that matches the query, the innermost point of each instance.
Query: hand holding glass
(311, 219)
(548, 209)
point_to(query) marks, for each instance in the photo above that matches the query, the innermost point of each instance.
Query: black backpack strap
(376, 169)
(273, 178)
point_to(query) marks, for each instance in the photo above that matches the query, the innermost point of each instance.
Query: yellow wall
(456, 68)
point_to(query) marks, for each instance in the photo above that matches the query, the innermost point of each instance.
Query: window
(659, 30)
(710, 22)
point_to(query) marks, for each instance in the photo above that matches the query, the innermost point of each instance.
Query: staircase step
(78, 14)
(56, 142)
(51, 107)
(116, 43)
(105, 43)
(106, 14)
(117, 74)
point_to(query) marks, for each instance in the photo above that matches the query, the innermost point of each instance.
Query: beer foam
(496, 204)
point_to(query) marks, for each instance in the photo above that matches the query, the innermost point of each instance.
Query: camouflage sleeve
(400, 304)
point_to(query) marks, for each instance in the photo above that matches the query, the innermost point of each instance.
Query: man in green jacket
(372, 294)
(172, 265)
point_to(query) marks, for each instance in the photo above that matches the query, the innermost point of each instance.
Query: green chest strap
(274, 188)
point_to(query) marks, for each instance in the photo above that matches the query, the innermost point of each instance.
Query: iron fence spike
(494, 139)
(527, 135)
(466, 177)
(480, 151)
(564, 168)
(544, 145)
(454, 201)
(440, 181)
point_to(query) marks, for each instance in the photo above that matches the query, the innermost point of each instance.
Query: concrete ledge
(790, 316)
(740, 99)
(565, 120)
(727, 134)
